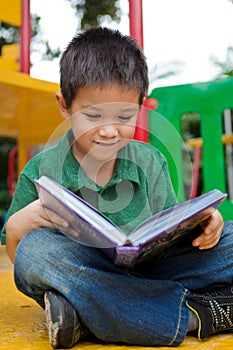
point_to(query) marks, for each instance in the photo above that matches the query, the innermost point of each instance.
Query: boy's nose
(108, 130)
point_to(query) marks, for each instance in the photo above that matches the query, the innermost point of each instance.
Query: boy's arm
(26, 212)
(22, 222)
(27, 219)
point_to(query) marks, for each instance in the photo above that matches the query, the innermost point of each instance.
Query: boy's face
(103, 120)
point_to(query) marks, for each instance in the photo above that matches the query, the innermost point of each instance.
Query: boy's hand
(31, 217)
(212, 232)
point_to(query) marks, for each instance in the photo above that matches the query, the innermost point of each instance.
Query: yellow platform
(22, 323)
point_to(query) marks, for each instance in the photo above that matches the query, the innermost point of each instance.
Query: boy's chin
(103, 156)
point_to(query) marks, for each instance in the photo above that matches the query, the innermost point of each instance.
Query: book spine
(126, 256)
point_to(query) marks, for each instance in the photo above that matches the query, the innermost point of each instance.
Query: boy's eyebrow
(90, 107)
(133, 108)
(130, 109)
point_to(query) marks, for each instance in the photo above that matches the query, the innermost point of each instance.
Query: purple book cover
(90, 227)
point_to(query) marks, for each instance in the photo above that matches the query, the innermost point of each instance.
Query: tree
(164, 70)
(226, 67)
(94, 12)
(37, 42)
(90, 12)
(8, 35)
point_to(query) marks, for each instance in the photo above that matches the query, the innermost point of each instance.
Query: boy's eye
(124, 118)
(93, 116)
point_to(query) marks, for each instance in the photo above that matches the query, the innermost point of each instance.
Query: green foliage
(190, 126)
(226, 66)
(8, 34)
(49, 54)
(165, 70)
(90, 12)
(94, 12)
(37, 42)
(35, 24)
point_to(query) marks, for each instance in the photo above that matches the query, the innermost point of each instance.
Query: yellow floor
(22, 323)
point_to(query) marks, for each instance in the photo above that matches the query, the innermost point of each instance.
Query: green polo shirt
(139, 187)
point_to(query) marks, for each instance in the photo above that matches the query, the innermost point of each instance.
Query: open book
(90, 227)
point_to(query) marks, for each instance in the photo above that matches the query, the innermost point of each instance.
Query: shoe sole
(53, 327)
(55, 323)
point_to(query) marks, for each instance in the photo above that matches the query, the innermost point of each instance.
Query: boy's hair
(101, 56)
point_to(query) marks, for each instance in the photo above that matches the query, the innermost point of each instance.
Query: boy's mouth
(106, 143)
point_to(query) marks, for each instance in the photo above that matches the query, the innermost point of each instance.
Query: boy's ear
(62, 105)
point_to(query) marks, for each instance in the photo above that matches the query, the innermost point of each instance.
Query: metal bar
(136, 32)
(136, 21)
(196, 170)
(25, 38)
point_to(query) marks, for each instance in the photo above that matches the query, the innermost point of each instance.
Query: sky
(188, 32)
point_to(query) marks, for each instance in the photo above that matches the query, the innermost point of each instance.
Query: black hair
(101, 56)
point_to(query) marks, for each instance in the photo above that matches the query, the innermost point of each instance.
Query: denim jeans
(145, 306)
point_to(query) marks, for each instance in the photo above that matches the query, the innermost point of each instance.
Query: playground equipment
(28, 109)
(28, 112)
(212, 101)
(27, 103)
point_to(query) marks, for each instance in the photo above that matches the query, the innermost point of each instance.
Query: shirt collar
(126, 166)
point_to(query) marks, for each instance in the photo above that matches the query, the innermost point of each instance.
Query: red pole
(136, 32)
(25, 38)
(136, 21)
(196, 170)
(11, 170)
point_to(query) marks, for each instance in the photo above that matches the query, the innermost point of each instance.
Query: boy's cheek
(133, 129)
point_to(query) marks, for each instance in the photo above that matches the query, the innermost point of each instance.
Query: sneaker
(61, 320)
(214, 311)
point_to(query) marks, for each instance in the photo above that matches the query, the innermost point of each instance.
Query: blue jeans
(145, 306)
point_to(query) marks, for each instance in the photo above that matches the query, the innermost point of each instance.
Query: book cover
(159, 232)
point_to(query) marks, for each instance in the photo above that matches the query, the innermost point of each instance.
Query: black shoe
(214, 311)
(62, 321)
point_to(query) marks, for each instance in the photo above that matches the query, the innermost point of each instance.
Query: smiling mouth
(106, 144)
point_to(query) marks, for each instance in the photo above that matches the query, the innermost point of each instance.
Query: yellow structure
(11, 12)
(28, 111)
(198, 142)
(10, 57)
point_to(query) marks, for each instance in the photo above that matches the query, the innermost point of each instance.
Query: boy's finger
(56, 219)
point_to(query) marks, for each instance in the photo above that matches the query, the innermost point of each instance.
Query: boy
(103, 83)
